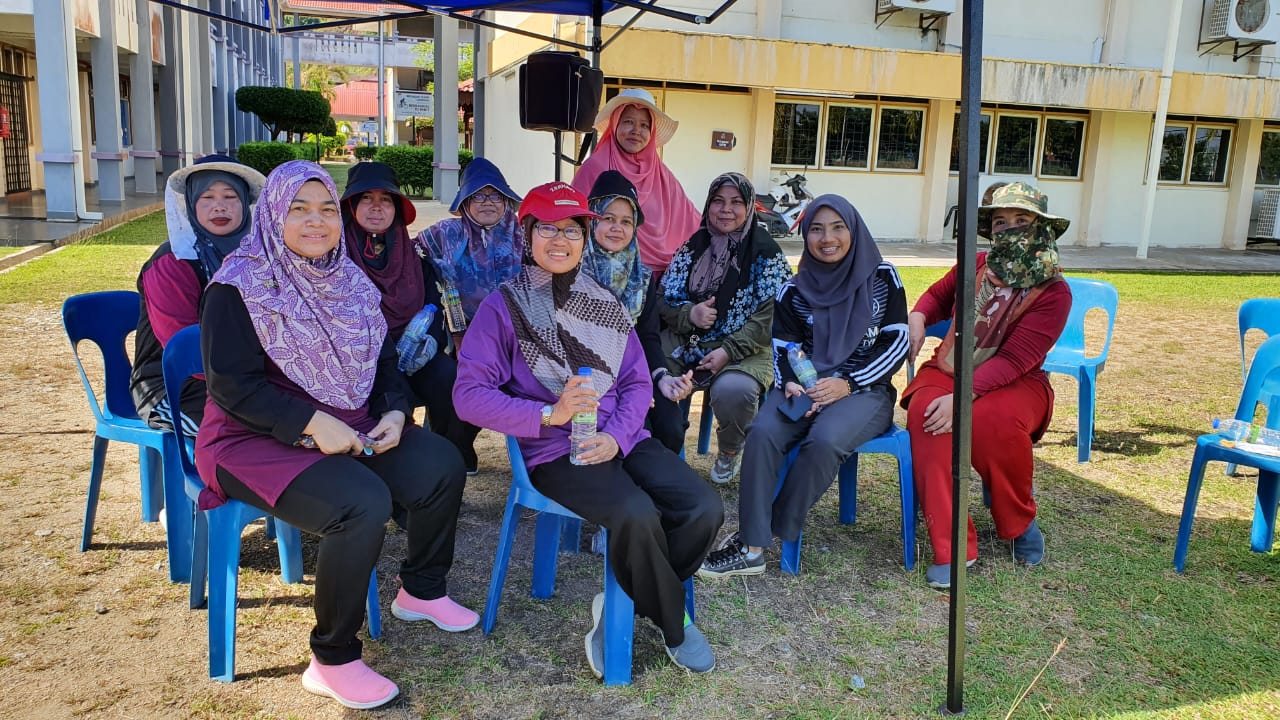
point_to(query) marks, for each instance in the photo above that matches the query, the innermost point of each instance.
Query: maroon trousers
(1004, 421)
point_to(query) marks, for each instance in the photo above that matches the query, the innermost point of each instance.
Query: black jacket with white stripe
(882, 350)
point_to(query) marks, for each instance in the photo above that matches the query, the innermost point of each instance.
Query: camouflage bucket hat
(1021, 196)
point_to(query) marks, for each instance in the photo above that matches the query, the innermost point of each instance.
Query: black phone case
(794, 408)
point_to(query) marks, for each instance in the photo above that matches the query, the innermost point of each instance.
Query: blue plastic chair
(1255, 314)
(895, 441)
(619, 611)
(216, 543)
(704, 424)
(106, 319)
(1068, 357)
(936, 330)
(1263, 382)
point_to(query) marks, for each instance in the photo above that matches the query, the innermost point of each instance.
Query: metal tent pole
(962, 404)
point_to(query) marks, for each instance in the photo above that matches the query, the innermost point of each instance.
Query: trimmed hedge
(365, 152)
(412, 165)
(266, 156)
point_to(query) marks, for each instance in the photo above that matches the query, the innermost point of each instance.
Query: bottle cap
(791, 346)
(1216, 422)
(584, 371)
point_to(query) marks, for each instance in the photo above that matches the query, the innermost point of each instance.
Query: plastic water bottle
(801, 366)
(583, 428)
(416, 346)
(453, 313)
(1240, 431)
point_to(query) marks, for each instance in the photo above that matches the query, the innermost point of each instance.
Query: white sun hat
(664, 126)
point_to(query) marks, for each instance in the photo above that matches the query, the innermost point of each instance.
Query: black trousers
(346, 501)
(661, 516)
(433, 385)
(667, 422)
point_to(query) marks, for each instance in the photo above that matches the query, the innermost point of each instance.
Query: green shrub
(464, 158)
(287, 110)
(265, 156)
(411, 164)
(365, 152)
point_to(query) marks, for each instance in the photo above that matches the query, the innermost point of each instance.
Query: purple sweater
(495, 389)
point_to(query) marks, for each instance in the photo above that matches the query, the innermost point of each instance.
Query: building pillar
(1096, 189)
(760, 139)
(171, 106)
(769, 18)
(59, 93)
(1245, 152)
(144, 126)
(483, 36)
(202, 77)
(109, 152)
(937, 169)
(445, 174)
(219, 70)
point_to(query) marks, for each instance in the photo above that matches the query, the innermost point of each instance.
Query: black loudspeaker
(559, 91)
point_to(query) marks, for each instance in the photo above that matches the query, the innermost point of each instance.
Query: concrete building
(860, 96)
(100, 91)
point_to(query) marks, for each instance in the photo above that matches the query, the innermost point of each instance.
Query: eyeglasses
(548, 232)
(491, 198)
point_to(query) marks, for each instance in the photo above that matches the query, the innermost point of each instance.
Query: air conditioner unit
(1252, 21)
(935, 7)
(1267, 211)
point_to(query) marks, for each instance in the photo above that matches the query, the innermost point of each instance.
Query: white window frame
(1185, 175)
(871, 137)
(986, 159)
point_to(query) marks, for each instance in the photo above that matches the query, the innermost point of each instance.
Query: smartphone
(794, 408)
(702, 378)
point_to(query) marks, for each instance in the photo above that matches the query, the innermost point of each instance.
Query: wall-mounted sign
(412, 104)
(722, 140)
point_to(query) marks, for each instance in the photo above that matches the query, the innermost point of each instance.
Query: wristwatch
(546, 415)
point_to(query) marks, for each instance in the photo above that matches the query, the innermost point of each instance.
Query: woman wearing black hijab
(847, 311)
(375, 221)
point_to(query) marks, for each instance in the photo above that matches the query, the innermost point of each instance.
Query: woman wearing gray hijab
(847, 312)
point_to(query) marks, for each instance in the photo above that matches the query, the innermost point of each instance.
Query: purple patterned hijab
(318, 320)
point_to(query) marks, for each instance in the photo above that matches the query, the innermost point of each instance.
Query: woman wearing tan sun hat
(632, 128)
(1020, 309)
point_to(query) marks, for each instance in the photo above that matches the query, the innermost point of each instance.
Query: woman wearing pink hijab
(632, 129)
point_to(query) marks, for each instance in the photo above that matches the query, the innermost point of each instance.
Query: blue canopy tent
(968, 135)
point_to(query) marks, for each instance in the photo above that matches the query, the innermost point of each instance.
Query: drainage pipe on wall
(1157, 129)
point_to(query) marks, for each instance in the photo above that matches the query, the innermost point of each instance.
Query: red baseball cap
(554, 201)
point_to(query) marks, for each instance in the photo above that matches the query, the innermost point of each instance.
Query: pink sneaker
(445, 613)
(353, 684)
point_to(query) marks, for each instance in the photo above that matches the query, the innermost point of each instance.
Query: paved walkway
(20, 224)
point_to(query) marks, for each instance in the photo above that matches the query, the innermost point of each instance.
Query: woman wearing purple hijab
(847, 312)
(305, 419)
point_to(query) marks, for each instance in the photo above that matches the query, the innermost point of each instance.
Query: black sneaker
(731, 561)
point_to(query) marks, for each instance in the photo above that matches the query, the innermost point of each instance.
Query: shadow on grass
(279, 671)
(1129, 443)
(140, 545)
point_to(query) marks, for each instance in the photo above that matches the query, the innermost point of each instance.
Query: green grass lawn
(7, 250)
(1141, 640)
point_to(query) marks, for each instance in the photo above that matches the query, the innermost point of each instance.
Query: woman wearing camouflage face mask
(1020, 309)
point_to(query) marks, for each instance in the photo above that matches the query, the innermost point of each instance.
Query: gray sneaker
(594, 640)
(938, 577)
(726, 467)
(694, 654)
(732, 560)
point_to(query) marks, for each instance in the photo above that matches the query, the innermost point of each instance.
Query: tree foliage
(286, 110)
(424, 57)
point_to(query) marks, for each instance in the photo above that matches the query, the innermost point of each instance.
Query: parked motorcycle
(781, 215)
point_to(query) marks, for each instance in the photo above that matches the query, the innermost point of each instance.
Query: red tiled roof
(358, 98)
(324, 7)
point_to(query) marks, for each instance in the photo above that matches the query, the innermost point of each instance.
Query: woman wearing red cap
(518, 374)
